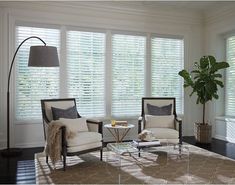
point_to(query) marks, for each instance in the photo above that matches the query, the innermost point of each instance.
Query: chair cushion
(70, 112)
(155, 110)
(83, 138)
(75, 125)
(84, 147)
(164, 133)
(159, 121)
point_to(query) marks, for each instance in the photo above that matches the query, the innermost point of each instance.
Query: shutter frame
(167, 59)
(34, 83)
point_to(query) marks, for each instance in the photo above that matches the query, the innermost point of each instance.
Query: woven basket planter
(202, 132)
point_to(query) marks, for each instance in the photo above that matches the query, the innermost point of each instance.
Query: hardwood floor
(22, 170)
(19, 169)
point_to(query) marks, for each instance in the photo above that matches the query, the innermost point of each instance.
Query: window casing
(230, 77)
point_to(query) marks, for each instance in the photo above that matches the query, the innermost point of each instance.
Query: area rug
(164, 166)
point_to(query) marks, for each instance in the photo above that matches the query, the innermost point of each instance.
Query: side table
(118, 132)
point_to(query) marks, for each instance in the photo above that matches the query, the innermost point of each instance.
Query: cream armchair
(84, 142)
(158, 115)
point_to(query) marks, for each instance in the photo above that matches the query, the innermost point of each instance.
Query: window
(167, 58)
(128, 59)
(34, 83)
(85, 69)
(84, 76)
(230, 77)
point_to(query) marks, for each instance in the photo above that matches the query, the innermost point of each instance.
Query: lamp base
(11, 152)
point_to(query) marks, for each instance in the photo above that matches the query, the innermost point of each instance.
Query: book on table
(140, 143)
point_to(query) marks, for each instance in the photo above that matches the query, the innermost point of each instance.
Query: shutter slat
(34, 83)
(128, 58)
(167, 58)
(85, 66)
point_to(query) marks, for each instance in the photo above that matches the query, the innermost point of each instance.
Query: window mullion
(148, 80)
(108, 75)
(63, 64)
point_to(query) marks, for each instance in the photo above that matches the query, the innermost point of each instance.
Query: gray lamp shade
(43, 56)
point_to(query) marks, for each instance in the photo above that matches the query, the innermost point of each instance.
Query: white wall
(128, 16)
(218, 24)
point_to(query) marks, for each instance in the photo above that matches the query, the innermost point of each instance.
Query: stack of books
(121, 123)
(140, 143)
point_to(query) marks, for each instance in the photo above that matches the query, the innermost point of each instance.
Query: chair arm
(140, 119)
(179, 120)
(97, 122)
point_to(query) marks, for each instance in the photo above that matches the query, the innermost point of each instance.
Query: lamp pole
(13, 152)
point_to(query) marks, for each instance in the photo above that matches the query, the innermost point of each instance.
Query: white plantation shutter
(34, 83)
(128, 58)
(85, 68)
(230, 77)
(167, 57)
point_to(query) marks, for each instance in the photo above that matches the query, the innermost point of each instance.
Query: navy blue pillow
(70, 113)
(159, 111)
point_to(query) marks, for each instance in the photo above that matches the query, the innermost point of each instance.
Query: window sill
(225, 118)
(27, 122)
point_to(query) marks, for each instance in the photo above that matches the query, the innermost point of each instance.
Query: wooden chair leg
(47, 159)
(64, 162)
(101, 154)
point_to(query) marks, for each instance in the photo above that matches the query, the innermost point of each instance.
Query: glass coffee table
(135, 149)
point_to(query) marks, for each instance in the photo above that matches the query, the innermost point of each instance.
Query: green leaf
(217, 75)
(215, 96)
(187, 77)
(218, 66)
(204, 62)
(212, 60)
(219, 83)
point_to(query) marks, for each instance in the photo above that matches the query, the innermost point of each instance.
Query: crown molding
(103, 9)
(219, 14)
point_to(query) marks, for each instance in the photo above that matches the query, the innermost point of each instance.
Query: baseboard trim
(220, 137)
(3, 144)
(30, 145)
(229, 139)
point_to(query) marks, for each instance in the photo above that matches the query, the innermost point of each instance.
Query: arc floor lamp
(39, 56)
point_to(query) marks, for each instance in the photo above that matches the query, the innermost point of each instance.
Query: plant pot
(202, 132)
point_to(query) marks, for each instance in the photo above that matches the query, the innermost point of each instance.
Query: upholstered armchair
(158, 115)
(85, 141)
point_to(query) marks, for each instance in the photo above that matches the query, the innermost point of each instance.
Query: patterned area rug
(164, 166)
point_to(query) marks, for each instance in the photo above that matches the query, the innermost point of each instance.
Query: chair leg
(101, 154)
(47, 159)
(64, 161)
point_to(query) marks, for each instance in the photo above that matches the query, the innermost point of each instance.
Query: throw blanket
(54, 137)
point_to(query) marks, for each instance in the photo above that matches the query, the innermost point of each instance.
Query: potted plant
(204, 81)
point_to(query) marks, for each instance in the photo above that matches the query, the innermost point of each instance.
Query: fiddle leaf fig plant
(204, 80)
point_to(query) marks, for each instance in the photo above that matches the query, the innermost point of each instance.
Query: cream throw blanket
(53, 146)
